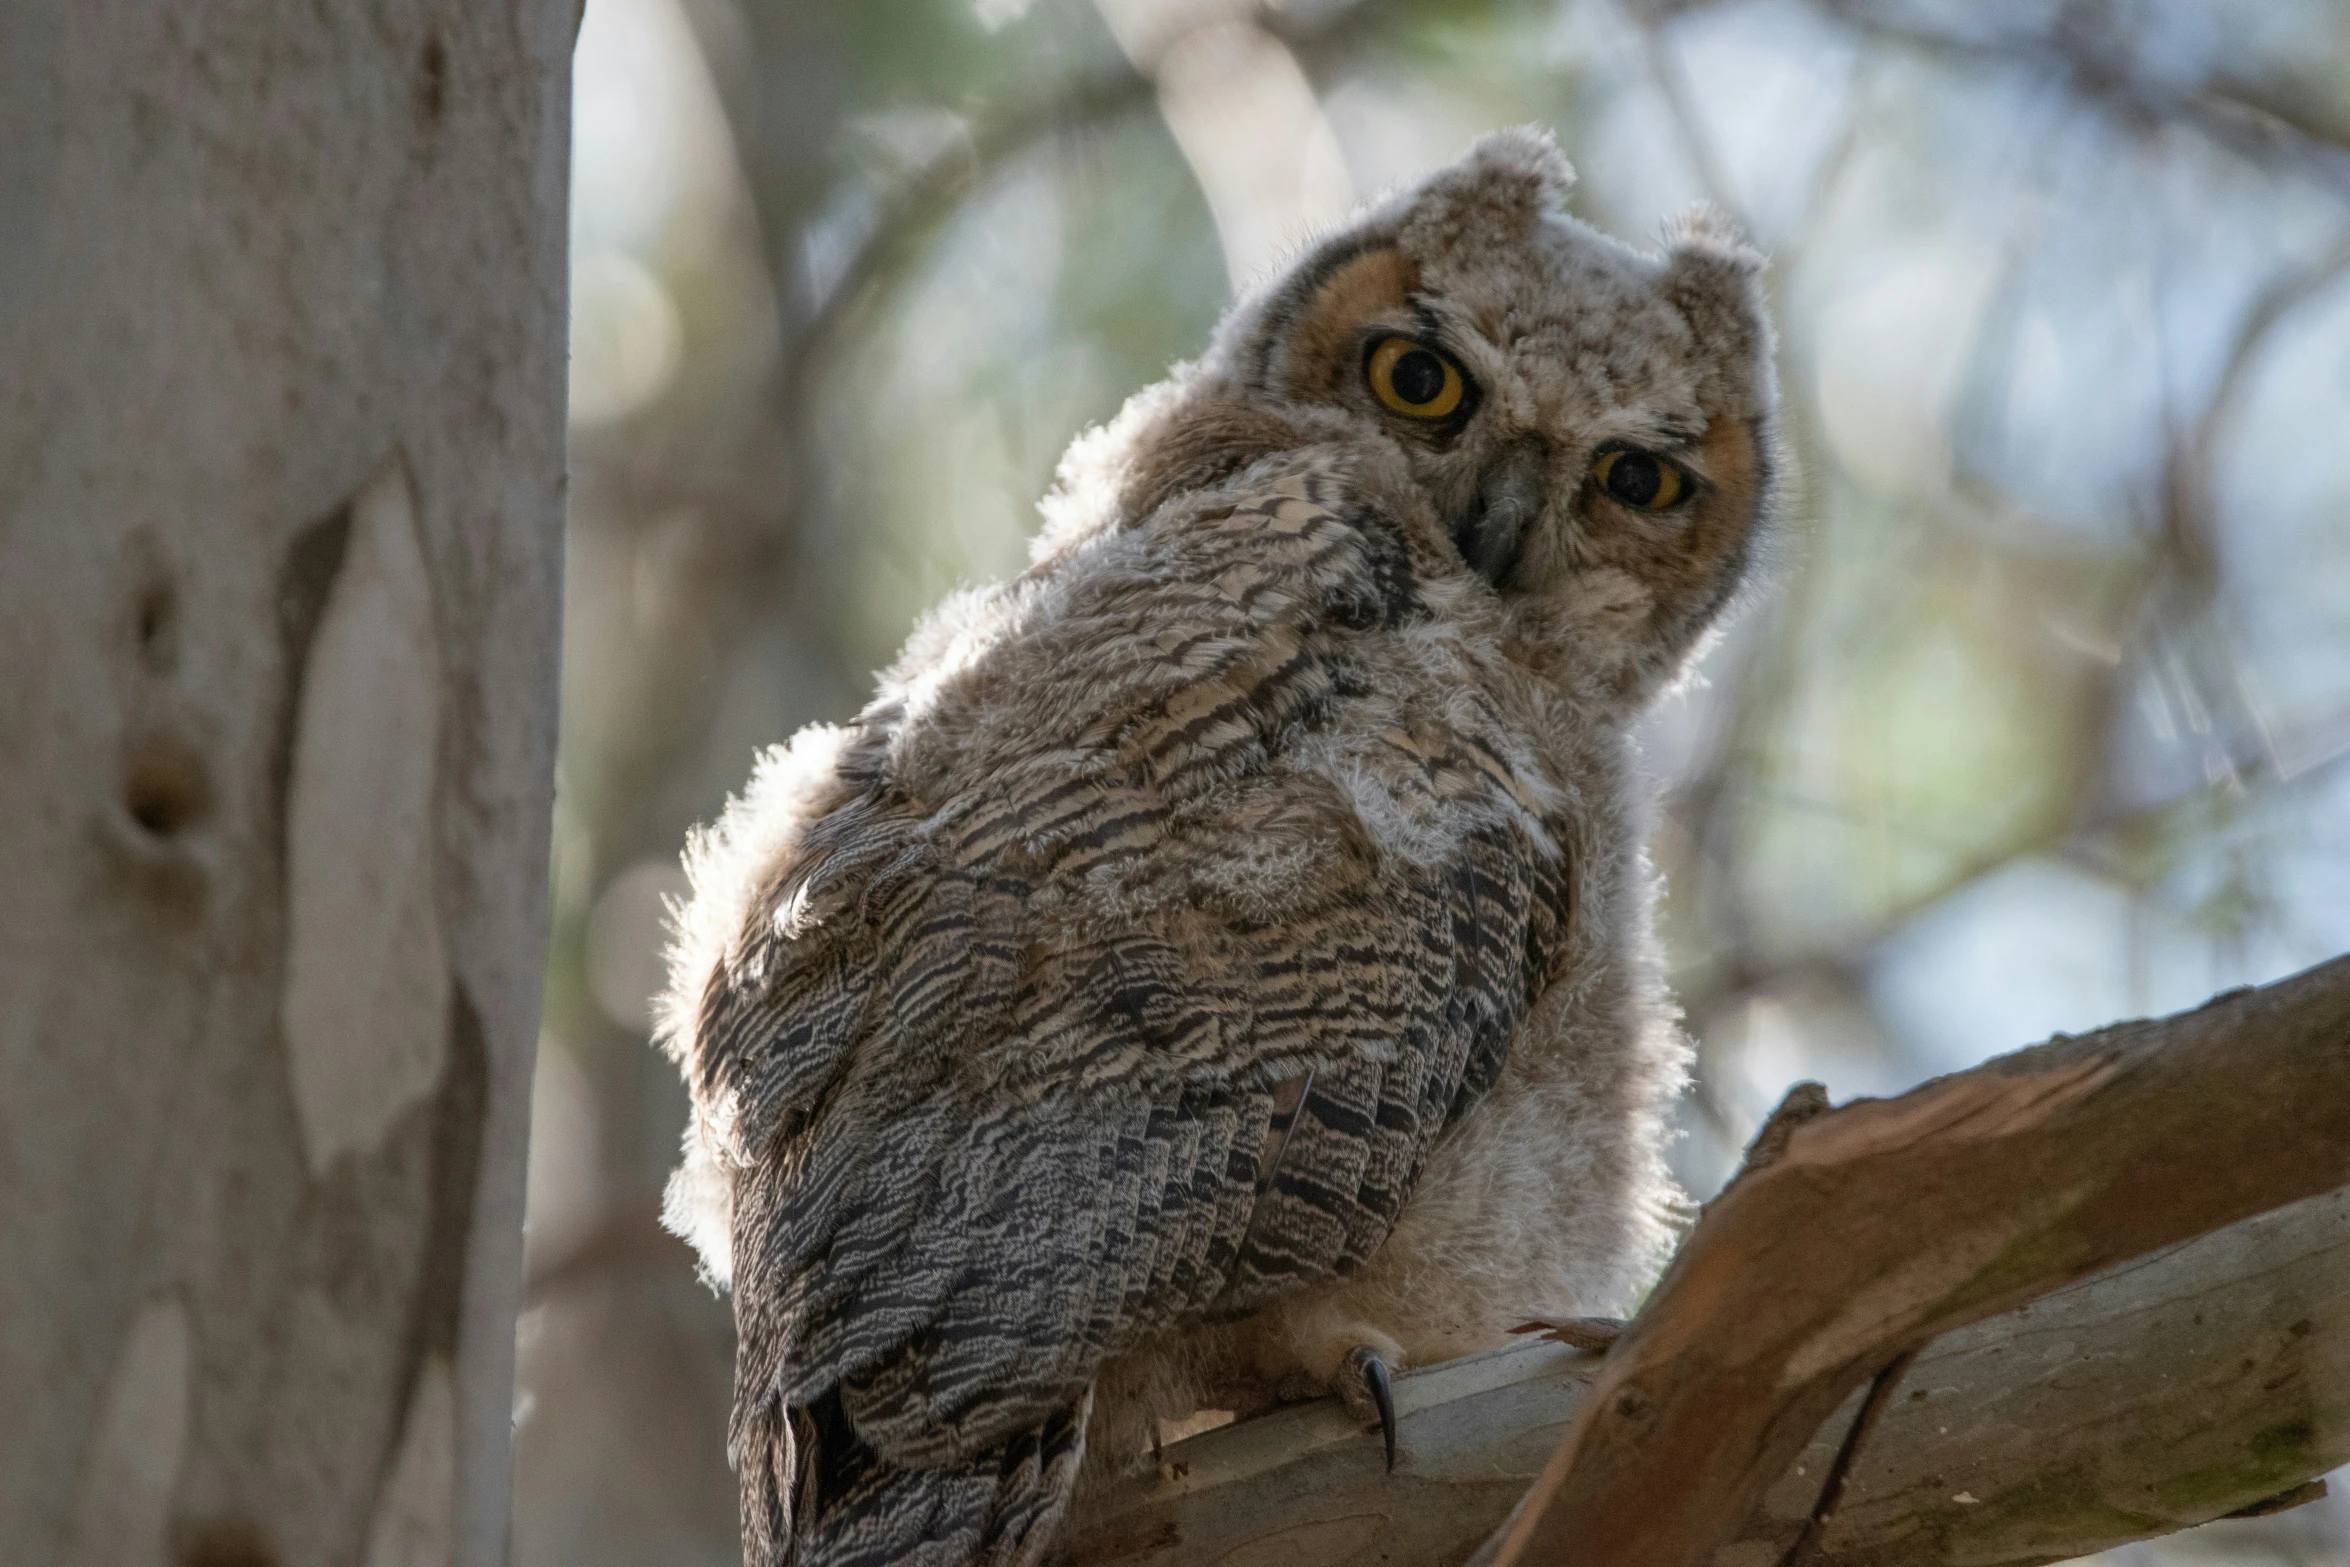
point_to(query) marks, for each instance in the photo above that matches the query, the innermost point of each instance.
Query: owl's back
(1119, 971)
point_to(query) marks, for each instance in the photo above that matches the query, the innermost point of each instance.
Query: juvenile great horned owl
(1218, 963)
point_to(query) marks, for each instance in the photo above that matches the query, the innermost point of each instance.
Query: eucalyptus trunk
(282, 331)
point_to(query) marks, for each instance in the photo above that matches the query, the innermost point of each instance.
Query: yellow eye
(1640, 480)
(1416, 382)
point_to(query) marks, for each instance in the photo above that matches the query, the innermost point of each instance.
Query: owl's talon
(1365, 1366)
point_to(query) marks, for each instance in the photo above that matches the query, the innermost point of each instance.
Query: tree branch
(2168, 1390)
(1889, 1222)
(2157, 1396)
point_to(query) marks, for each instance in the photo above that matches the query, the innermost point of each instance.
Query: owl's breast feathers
(1126, 973)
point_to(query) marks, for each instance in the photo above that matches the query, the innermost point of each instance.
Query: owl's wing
(991, 1125)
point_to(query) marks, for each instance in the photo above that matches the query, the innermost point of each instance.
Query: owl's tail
(815, 1495)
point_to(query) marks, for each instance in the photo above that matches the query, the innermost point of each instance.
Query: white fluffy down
(727, 864)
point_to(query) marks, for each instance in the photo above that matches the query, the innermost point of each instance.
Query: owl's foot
(1364, 1387)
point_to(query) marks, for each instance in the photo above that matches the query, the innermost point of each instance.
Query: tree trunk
(281, 472)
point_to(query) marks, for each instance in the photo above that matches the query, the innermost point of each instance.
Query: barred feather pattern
(1083, 1005)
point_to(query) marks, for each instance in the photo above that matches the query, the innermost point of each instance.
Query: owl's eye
(1640, 480)
(1416, 382)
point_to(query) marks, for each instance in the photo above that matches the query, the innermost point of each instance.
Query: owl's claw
(1365, 1366)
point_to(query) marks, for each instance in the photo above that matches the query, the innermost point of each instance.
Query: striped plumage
(1221, 950)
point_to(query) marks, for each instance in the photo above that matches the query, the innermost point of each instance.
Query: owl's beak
(1509, 499)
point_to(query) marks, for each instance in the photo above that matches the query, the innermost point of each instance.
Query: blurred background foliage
(2045, 722)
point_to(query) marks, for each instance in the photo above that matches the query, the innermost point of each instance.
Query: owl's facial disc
(1575, 412)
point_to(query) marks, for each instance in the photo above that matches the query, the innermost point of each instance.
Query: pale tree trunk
(281, 470)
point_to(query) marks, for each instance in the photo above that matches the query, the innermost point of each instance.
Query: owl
(1217, 966)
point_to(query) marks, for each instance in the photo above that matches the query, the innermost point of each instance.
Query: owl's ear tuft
(1497, 195)
(1705, 230)
(1708, 257)
(1714, 278)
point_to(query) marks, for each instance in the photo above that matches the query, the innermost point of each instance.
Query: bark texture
(281, 471)
(2175, 1388)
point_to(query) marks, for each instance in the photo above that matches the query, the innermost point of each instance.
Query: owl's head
(1589, 425)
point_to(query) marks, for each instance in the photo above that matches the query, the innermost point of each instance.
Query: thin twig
(919, 204)
(2230, 114)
